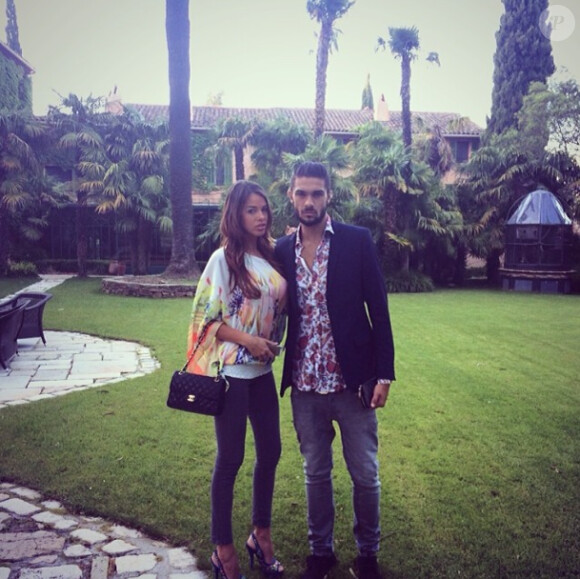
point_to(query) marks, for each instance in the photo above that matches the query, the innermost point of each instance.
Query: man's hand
(380, 395)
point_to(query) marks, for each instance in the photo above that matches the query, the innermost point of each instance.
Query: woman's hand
(262, 349)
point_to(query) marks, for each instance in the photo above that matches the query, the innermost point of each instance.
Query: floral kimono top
(216, 302)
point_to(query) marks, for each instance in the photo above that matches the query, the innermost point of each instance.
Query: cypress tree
(367, 95)
(12, 28)
(523, 55)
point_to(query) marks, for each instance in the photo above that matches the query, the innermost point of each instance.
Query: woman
(238, 319)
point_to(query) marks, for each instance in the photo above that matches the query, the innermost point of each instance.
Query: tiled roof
(451, 124)
(152, 113)
(7, 51)
(337, 121)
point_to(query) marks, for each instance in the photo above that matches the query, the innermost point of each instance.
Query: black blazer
(355, 286)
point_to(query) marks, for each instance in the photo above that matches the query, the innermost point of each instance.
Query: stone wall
(147, 287)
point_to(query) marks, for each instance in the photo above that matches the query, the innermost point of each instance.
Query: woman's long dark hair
(233, 237)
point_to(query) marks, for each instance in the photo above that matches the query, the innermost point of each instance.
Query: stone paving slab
(19, 546)
(44, 374)
(18, 507)
(25, 493)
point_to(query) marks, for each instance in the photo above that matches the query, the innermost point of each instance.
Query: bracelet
(383, 381)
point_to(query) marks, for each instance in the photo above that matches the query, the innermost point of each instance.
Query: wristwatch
(383, 381)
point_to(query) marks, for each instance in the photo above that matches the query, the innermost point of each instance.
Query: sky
(262, 53)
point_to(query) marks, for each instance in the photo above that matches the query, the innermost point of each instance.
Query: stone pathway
(70, 361)
(39, 539)
(46, 282)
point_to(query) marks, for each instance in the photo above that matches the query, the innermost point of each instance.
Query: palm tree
(20, 173)
(134, 185)
(434, 149)
(270, 141)
(326, 12)
(408, 190)
(80, 139)
(183, 262)
(234, 135)
(379, 161)
(404, 42)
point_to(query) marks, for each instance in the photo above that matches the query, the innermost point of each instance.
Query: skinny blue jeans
(257, 400)
(314, 415)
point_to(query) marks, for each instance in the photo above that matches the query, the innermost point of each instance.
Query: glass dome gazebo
(538, 238)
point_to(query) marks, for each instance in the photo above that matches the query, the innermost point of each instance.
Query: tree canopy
(12, 28)
(523, 55)
(367, 95)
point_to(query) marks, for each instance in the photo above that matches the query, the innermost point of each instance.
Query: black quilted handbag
(197, 393)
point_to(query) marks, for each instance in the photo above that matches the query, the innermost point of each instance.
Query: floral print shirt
(316, 366)
(216, 302)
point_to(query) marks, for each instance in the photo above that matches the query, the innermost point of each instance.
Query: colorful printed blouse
(216, 302)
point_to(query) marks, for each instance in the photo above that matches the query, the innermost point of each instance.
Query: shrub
(22, 269)
(575, 282)
(409, 282)
(475, 272)
(94, 266)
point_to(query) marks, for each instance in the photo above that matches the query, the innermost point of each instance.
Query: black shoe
(318, 567)
(367, 568)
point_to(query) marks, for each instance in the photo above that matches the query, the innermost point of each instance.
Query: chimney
(114, 105)
(382, 110)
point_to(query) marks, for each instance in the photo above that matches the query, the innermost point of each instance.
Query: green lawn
(479, 453)
(9, 286)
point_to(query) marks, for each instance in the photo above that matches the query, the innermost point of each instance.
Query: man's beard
(315, 221)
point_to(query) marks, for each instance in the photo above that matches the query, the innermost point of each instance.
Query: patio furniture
(33, 310)
(7, 304)
(10, 324)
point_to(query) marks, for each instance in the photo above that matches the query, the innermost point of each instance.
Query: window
(223, 169)
(460, 150)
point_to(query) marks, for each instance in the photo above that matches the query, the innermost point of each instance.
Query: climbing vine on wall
(15, 87)
(203, 164)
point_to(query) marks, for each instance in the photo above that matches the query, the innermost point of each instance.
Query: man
(339, 336)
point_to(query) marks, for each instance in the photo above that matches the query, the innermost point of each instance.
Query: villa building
(104, 242)
(462, 134)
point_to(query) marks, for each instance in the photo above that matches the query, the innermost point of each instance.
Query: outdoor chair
(8, 304)
(10, 324)
(33, 310)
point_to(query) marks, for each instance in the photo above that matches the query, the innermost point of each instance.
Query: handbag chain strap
(199, 341)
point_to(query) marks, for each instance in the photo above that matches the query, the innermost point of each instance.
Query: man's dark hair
(311, 169)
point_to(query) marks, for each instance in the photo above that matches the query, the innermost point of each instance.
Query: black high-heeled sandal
(218, 568)
(272, 569)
